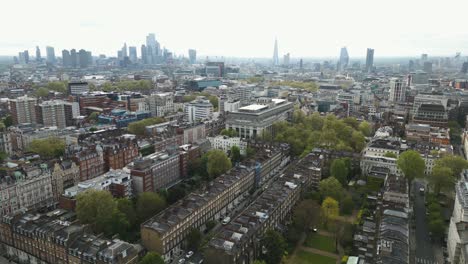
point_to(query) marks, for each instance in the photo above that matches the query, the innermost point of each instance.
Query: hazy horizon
(242, 29)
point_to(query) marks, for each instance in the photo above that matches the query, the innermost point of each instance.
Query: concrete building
(23, 110)
(57, 113)
(50, 53)
(78, 88)
(369, 60)
(225, 143)
(253, 120)
(397, 90)
(430, 109)
(160, 104)
(198, 110)
(457, 240)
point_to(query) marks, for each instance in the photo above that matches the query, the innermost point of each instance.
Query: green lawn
(324, 243)
(304, 257)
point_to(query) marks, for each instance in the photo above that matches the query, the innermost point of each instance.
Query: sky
(238, 28)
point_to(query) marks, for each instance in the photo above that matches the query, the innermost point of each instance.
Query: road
(424, 253)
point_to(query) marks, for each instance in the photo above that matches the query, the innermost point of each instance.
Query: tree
(437, 228)
(456, 163)
(274, 244)
(148, 205)
(8, 121)
(441, 179)
(48, 148)
(390, 155)
(250, 152)
(229, 132)
(306, 214)
(93, 116)
(235, 154)
(347, 205)
(152, 258)
(218, 163)
(330, 210)
(60, 87)
(95, 207)
(194, 238)
(210, 224)
(259, 262)
(118, 224)
(42, 92)
(175, 193)
(125, 206)
(331, 187)
(339, 170)
(412, 165)
(365, 128)
(138, 127)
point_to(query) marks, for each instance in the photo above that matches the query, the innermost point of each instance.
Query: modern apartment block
(57, 113)
(23, 110)
(165, 232)
(56, 237)
(252, 120)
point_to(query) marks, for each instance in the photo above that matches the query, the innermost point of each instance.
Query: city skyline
(302, 32)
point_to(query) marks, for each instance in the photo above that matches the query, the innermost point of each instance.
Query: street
(424, 253)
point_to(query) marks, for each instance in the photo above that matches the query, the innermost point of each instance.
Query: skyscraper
(124, 51)
(424, 57)
(66, 58)
(132, 53)
(153, 48)
(286, 59)
(192, 56)
(369, 60)
(344, 59)
(144, 54)
(427, 67)
(275, 54)
(26, 56)
(38, 54)
(50, 52)
(74, 58)
(83, 58)
(397, 90)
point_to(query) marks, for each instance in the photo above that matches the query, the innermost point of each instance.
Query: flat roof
(253, 107)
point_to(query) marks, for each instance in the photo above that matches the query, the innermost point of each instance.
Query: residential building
(160, 104)
(57, 113)
(65, 174)
(119, 152)
(23, 110)
(225, 143)
(78, 88)
(254, 120)
(457, 240)
(90, 159)
(198, 110)
(50, 53)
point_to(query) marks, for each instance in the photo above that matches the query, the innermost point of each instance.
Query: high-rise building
(153, 47)
(144, 54)
(369, 60)
(50, 52)
(286, 59)
(38, 54)
(344, 59)
(23, 110)
(427, 67)
(275, 53)
(397, 90)
(424, 57)
(124, 51)
(83, 58)
(132, 53)
(57, 113)
(66, 58)
(192, 56)
(464, 68)
(74, 58)
(23, 57)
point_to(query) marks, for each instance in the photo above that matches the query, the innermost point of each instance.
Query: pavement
(424, 252)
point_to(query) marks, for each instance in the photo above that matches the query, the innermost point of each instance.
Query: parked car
(189, 254)
(226, 220)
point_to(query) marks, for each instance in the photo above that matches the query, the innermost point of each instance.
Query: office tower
(23, 110)
(344, 59)
(301, 64)
(38, 54)
(198, 110)
(286, 59)
(464, 68)
(424, 57)
(144, 54)
(369, 60)
(50, 53)
(397, 90)
(154, 49)
(427, 67)
(83, 58)
(77, 88)
(89, 55)
(23, 57)
(66, 58)
(192, 56)
(132, 53)
(275, 54)
(74, 58)
(124, 51)
(411, 65)
(120, 55)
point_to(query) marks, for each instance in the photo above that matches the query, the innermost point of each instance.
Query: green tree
(60, 87)
(149, 204)
(275, 247)
(330, 210)
(3, 156)
(331, 187)
(210, 224)
(347, 205)
(365, 128)
(175, 193)
(138, 127)
(214, 101)
(437, 228)
(8, 121)
(48, 148)
(339, 170)
(412, 165)
(390, 155)
(96, 208)
(126, 206)
(93, 116)
(42, 92)
(118, 224)
(194, 238)
(218, 163)
(229, 132)
(456, 163)
(306, 214)
(250, 152)
(152, 258)
(441, 179)
(235, 154)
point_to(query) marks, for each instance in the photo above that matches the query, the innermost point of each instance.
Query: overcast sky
(242, 28)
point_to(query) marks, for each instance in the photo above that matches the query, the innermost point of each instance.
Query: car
(226, 220)
(189, 254)
(422, 190)
(315, 230)
(182, 260)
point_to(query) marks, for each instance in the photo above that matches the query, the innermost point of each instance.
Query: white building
(231, 106)
(160, 104)
(199, 109)
(457, 241)
(225, 143)
(397, 90)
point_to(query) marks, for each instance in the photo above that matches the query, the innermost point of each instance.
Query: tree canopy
(60, 87)
(138, 127)
(441, 179)
(235, 154)
(390, 155)
(365, 128)
(229, 132)
(149, 204)
(340, 171)
(411, 164)
(152, 258)
(42, 92)
(96, 208)
(308, 86)
(331, 187)
(48, 148)
(140, 85)
(194, 238)
(306, 214)
(456, 163)
(330, 210)
(275, 247)
(217, 163)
